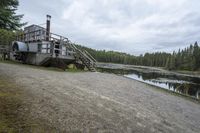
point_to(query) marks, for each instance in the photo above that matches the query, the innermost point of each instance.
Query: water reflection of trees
(182, 88)
(147, 76)
(185, 88)
(189, 89)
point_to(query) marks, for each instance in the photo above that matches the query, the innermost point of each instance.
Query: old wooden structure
(37, 45)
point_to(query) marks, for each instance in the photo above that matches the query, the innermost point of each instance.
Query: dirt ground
(52, 101)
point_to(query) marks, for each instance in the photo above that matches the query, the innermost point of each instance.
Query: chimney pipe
(48, 27)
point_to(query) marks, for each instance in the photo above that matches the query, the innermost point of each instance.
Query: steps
(80, 55)
(45, 62)
(86, 59)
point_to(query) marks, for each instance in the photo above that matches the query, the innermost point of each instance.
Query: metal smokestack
(48, 27)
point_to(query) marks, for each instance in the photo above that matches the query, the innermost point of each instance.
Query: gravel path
(91, 102)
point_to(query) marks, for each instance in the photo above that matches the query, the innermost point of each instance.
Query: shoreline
(188, 97)
(101, 102)
(60, 70)
(148, 69)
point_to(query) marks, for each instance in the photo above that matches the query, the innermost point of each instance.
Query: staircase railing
(86, 56)
(83, 52)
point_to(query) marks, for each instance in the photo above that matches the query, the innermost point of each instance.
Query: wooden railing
(40, 35)
(89, 55)
(86, 58)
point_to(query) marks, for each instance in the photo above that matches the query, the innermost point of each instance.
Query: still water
(180, 84)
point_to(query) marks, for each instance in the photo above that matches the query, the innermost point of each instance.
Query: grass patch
(74, 70)
(15, 110)
(2, 94)
(9, 104)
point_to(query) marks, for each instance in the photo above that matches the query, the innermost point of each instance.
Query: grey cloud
(124, 25)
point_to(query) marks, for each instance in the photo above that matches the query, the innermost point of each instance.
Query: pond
(185, 85)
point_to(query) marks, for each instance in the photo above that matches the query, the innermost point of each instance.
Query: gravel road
(97, 102)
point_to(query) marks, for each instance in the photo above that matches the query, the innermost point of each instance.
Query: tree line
(6, 37)
(186, 59)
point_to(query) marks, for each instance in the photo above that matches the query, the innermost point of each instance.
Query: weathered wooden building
(37, 45)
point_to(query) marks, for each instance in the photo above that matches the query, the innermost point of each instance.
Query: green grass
(4, 127)
(15, 110)
(74, 70)
(9, 103)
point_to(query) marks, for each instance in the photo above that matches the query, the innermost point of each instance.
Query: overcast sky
(133, 26)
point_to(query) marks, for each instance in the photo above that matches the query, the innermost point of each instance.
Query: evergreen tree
(196, 56)
(172, 63)
(8, 18)
(186, 59)
(6, 37)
